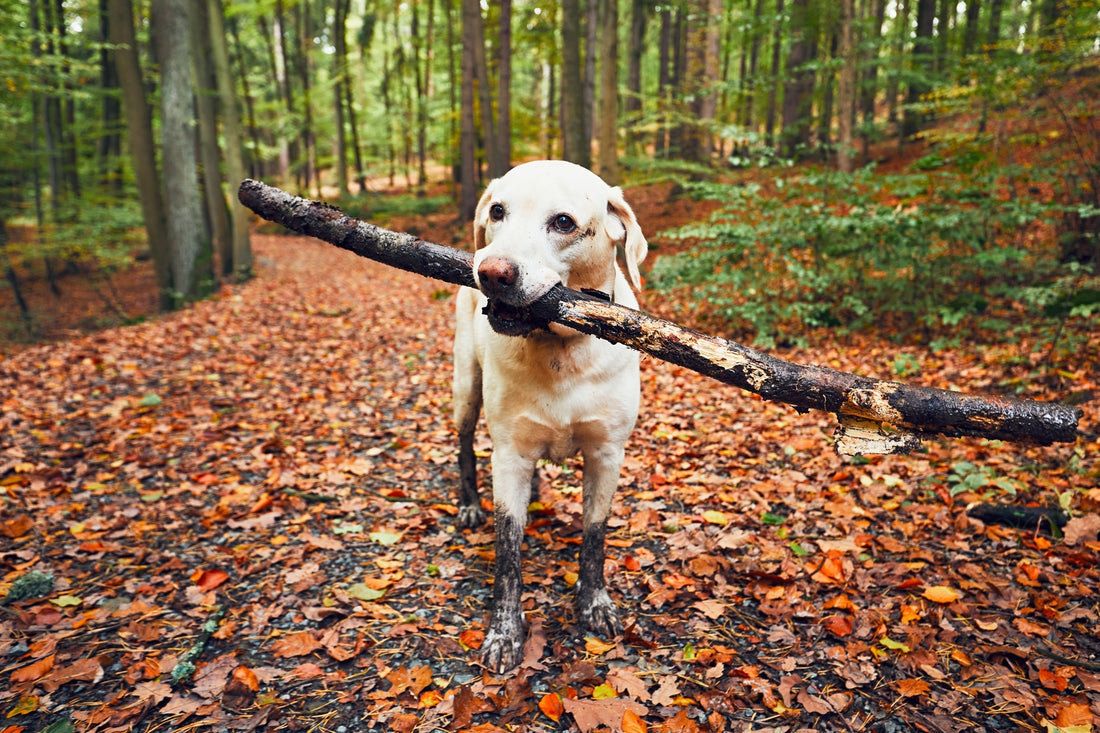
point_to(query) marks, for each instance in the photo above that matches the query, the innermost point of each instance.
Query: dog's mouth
(511, 320)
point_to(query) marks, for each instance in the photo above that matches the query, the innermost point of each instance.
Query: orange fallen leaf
(471, 638)
(247, 677)
(941, 594)
(33, 671)
(208, 580)
(912, 687)
(551, 706)
(632, 723)
(295, 645)
(596, 647)
(839, 625)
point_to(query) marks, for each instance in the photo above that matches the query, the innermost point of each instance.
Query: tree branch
(876, 417)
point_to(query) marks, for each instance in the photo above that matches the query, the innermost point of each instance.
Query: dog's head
(545, 223)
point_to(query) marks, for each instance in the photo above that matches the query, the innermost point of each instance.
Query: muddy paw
(598, 615)
(470, 516)
(502, 649)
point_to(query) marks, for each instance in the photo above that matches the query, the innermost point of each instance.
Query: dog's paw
(470, 516)
(598, 614)
(503, 646)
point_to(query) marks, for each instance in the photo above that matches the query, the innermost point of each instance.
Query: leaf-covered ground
(264, 483)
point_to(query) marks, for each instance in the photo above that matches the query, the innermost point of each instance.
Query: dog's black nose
(497, 276)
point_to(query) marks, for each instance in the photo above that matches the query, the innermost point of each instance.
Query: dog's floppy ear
(479, 216)
(627, 233)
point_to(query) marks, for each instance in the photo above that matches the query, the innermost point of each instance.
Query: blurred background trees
(131, 122)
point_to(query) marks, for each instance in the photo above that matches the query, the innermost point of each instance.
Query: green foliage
(925, 249)
(376, 207)
(968, 477)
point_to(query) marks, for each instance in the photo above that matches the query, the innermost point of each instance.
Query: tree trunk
(591, 27)
(282, 83)
(901, 35)
(468, 142)
(139, 136)
(210, 157)
(923, 59)
(181, 181)
(970, 34)
(575, 146)
(231, 130)
(339, 84)
(609, 92)
(869, 86)
(773, 92)
(305, 72)
(755, 32)
(846, 89)
(875, 416)
(639, 11)
(798, 89)
(109, 146)
(484, 90)
(503, 137)
(664, 83)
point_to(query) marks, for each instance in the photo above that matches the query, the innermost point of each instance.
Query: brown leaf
(297, 644)
(1082, 529)
(33, 671)
(591, 714)
(913, 687)
(812, 703)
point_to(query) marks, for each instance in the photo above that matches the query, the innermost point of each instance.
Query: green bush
(844, 252)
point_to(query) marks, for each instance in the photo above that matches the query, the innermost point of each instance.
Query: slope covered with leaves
(262, 485)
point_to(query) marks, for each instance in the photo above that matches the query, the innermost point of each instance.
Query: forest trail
(281, 457)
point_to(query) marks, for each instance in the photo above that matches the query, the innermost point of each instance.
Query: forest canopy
(132, 123)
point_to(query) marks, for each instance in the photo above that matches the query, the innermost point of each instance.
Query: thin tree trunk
(468, 143)
(749, 100)
(923, 60)
(484, 89)
(282, 82)
(339, 84)
(635, 48)
(846, 88)
(664, 83)
(901, 35)
(591, 39)
(109, 147)
(609, 92)
(231, 130)
(773, 92)
(305, 73)
(139, 128)
(210, 157)
(798, 89)
(869, 88)
(503, 141)
(575, 144)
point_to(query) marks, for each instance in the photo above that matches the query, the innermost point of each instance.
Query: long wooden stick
(875, 416)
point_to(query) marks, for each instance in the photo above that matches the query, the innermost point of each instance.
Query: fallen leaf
(591, 714)
(551, 706)
(913, 687)
(297, 644)
(941, 594)
(33, 671)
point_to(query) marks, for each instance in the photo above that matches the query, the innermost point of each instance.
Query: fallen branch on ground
(876, 417)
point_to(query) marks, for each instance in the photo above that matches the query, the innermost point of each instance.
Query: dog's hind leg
(594, 606)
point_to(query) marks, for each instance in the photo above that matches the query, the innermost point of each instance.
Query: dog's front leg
(594, 606)
(511, 497)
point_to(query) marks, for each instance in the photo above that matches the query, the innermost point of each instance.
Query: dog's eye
(563, 223)
(496, 212)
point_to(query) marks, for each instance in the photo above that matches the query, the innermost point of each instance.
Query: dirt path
(281, 459)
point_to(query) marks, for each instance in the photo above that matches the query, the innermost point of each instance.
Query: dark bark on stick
(876, 416)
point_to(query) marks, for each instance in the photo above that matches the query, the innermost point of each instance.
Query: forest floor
(274, 468)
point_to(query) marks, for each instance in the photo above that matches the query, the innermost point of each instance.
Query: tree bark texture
(139, 132)
(876, 416)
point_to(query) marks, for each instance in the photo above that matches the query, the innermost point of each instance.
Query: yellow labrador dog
(548, 391)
